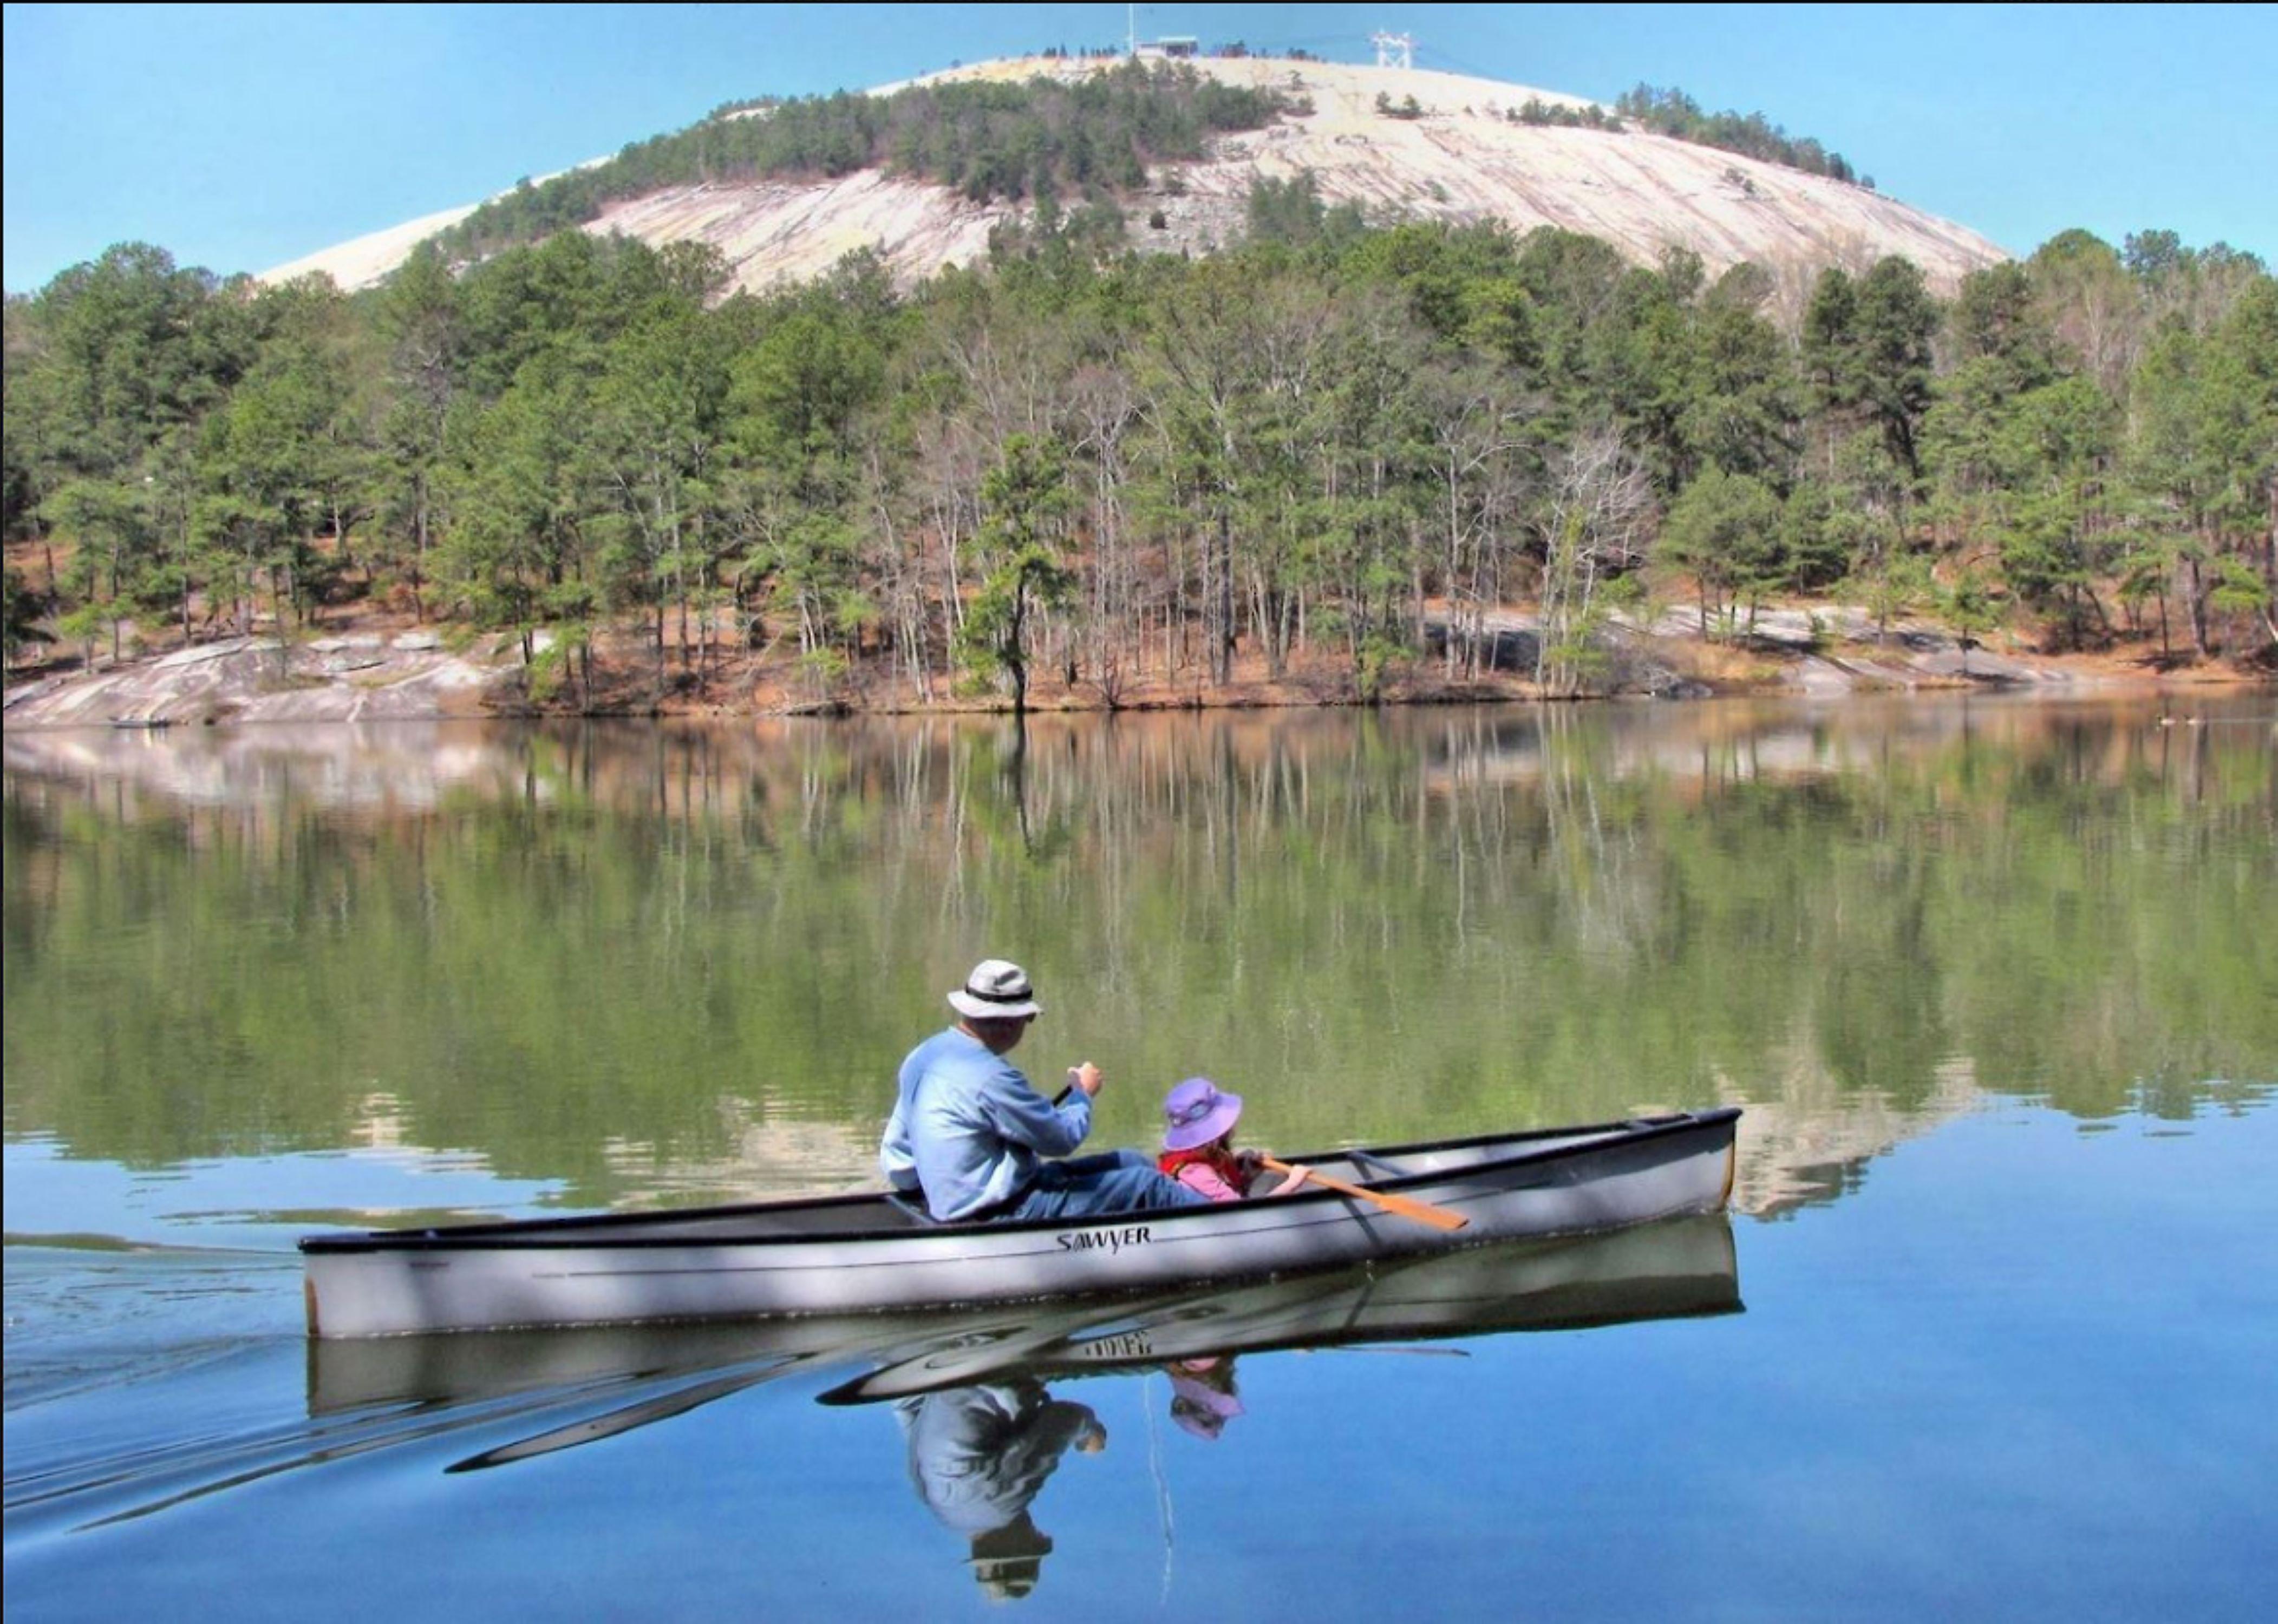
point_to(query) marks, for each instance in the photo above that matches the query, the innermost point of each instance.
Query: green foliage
(1740, 411)
(1026, 502)
(1590, 116)
(1971, 605)
(1820, 537)
(1286, 212)
(2238, 590)
(2055, 452)
(1674, 113)
(1727, 532)
(1890, 356)
(1379, 656)
(1995, 319)
(1830, 343)
(1895, 586)
(2202, 449)
(20, 609)
(139, 346)
(1331, 443)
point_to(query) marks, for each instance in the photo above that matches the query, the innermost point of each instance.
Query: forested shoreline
(1338, 444)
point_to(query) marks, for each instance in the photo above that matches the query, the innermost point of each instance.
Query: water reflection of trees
(617, 953)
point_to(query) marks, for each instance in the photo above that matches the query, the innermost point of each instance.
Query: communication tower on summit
(1387, 44)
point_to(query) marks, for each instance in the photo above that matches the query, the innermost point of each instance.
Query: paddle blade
(1422, 1212)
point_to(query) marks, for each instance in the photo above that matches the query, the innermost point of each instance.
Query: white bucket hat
(996, 990)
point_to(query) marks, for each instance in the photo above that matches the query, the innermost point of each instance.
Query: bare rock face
(1462, 159)
(358, 678)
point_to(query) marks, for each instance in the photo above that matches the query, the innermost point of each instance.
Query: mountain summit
(1403, 142)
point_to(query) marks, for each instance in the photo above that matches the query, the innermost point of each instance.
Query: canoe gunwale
(577, 1231)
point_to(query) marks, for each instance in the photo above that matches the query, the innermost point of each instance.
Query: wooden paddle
(1422, 1212)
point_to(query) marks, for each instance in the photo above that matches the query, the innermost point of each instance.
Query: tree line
(1672, 113)
(1335, 448)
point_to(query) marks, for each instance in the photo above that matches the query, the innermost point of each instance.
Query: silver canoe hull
(1677, 1268)
(865, 1254)
(609, 1380)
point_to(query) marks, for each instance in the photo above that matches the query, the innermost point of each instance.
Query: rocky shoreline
(417, 675)
(365, 676)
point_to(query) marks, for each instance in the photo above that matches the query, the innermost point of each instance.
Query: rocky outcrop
(1462, 159)
(1816, 653)
(368, 677)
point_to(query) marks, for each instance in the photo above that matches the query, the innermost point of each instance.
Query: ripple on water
(98, 1312)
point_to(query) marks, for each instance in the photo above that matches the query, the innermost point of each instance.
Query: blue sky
(242, 137)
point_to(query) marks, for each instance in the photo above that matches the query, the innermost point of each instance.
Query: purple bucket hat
(1196, 1113)
(1200, 1408)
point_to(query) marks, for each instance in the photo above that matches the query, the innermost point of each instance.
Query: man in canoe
(971, 1136)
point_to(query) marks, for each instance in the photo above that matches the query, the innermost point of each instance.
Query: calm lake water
(1987, 1333)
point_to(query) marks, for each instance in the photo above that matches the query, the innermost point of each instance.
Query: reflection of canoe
(640, 1375)
(445, 1368)
(866, 1253)
(1681, 1268)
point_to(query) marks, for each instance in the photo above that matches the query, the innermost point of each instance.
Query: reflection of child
(1203, 1398)
(1199, 1146)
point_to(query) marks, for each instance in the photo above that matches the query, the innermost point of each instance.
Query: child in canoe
(1198, 1147)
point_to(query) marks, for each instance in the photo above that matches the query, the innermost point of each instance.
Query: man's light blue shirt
(969, 1127)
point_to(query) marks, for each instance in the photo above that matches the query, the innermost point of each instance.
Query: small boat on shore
(142, 721)
(872, 1254)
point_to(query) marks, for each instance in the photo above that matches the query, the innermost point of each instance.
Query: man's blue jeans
(1116, 1181)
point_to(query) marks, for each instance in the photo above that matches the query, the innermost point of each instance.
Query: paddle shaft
(1422, 1212)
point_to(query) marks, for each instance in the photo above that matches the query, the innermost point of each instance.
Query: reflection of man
(978, 1455)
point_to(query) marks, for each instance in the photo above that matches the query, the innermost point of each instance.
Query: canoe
(1678, 1268)
(563, 1389)
(1682, 1268)
(876, 1253)
(566, 1387)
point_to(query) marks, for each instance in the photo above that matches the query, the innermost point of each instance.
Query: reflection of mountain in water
(1813, 1146)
